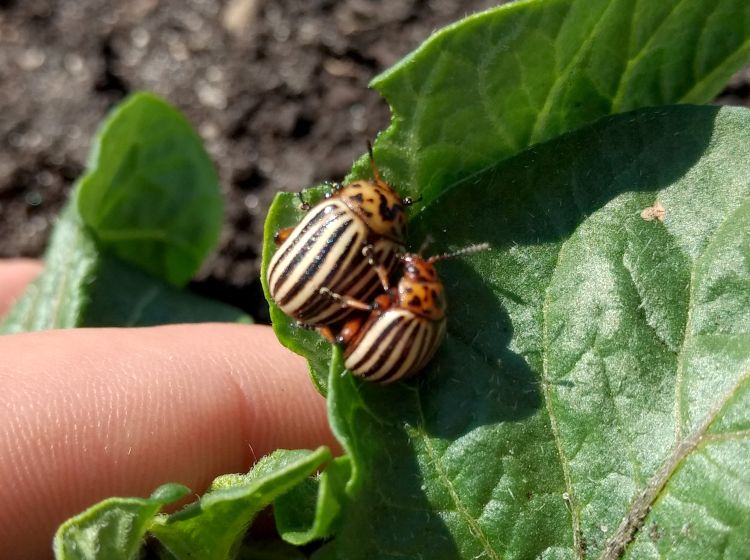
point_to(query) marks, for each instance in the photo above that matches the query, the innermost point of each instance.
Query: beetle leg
(303, 205)
(369, 253)
(345, 301)
(282, 235)
(349, 330)
(327, 333)
(323, 330)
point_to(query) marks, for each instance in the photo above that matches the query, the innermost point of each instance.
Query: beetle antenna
(466, 250)
(373, 166)
(408, 201)
(425, 244)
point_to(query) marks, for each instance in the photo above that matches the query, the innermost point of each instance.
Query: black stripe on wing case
(304, 278)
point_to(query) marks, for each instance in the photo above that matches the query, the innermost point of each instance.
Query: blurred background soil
(276, 88)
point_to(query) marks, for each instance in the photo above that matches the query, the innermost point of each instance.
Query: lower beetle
(405, 326)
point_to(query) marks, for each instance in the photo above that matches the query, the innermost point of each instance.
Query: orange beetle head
(420, 289)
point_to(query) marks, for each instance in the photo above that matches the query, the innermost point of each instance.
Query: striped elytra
(348, 244)
(405, 326)
(393, 345)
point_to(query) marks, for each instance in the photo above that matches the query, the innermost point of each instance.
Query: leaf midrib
(616, 545)
(542, 116)
(633, 60)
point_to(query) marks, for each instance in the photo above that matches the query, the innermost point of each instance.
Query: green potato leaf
(151, 194)
(113, 529)
(591, 398)
(213, 527)
(310, 511)
(85, 283)
(58, 297)
(124, 296)
(495, 83)
(82, 286)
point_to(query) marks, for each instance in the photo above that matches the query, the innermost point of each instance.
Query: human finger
(15, 275)
(90, 413)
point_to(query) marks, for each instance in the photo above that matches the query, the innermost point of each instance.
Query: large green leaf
(151, 194)
(498, 82)
(591, 399)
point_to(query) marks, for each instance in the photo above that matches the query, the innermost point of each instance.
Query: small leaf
(498, 82)
(311, 510)
(58, 297)
(113, 529)
(213, 528)
(82, 287)
(85, 285)
(151, 194)
(122, 295)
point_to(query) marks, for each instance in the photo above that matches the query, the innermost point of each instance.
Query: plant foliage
(138, 226)
(591, 399)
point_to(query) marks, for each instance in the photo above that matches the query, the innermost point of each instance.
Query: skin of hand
(90, 413)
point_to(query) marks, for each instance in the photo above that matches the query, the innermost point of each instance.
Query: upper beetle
(348, 243)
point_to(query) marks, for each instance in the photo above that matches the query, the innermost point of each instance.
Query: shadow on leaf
(471, 433)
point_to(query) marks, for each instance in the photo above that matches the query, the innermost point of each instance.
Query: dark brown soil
(277, 89)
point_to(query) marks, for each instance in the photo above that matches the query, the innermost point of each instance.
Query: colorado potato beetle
(405, 325)
(347, 243)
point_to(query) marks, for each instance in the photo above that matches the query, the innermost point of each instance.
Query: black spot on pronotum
(388, 213)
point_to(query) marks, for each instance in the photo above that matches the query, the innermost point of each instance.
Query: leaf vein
(549, 101)
(617, 98)
(633, 521)
(547, 391)
(474, 526)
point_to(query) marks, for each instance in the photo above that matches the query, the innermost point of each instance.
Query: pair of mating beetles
(327, 271)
